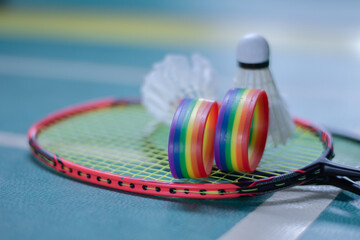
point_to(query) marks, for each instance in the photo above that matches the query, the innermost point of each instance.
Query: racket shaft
(345, 183)
(334, 169)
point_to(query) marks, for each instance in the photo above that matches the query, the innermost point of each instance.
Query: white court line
(70, 70)
(285, 215)
(13, 140)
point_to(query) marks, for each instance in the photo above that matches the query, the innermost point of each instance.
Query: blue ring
(178, 127)
(223, 130)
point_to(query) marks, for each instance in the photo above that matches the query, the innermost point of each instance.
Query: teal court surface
(58, 53)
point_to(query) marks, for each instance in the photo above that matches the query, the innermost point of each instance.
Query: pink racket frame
(126, 183)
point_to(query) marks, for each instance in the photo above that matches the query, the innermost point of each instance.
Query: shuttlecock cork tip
(253, 51)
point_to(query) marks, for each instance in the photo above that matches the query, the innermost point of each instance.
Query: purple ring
(218, 128)
(171, 139)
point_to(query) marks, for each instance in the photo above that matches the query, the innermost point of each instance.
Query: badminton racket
(113, 143)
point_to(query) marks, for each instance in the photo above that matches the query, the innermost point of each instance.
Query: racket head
(114, 143)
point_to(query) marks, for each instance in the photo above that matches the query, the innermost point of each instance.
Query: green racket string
(122, 140)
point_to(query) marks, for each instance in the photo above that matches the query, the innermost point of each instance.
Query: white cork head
(252, 49)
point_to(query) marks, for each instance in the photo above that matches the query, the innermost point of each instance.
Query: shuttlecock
(174, 79)
(253, 72)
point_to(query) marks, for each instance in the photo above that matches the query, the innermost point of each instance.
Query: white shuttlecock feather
(174, 79)
(253, 72)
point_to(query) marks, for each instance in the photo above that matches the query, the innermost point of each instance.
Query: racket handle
(344, 183)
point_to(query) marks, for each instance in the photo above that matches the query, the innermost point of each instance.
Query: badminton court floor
(50, 59)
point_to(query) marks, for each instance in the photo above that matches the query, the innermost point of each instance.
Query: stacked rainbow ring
(191, 138)
(241, 130)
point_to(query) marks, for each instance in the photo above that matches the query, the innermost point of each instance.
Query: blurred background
(56, 53)
(60, 52)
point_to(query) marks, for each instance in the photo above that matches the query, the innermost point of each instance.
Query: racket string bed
(149, 166)
(282, 158)
(107, 143)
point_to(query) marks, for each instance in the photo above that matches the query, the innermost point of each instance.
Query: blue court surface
(56, 53)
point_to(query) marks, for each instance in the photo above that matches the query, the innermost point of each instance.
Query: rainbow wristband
(191, 138)
(241, 130)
